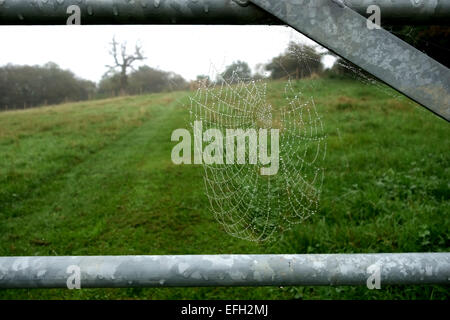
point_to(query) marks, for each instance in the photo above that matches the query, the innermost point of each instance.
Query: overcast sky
(186, 50)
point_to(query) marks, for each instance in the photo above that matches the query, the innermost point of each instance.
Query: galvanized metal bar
(223, 270)
(54, 12)
(49, 12)
(342, 30)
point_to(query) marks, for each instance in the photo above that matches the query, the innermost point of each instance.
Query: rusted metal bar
(224, 270)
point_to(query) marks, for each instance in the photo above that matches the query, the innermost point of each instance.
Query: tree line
(24, 87)
(29, 86)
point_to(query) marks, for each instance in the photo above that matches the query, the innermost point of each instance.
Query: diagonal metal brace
(345, 32)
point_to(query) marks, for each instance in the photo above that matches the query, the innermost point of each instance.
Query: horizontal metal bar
(49, 12)
(223, 270)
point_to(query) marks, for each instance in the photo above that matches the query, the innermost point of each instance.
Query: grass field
(96, 178)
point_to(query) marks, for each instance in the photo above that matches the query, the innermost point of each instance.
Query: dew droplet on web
(248, 205)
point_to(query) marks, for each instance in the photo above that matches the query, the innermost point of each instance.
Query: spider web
(247, 204)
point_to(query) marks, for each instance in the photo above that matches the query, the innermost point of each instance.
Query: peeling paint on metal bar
(224, 270)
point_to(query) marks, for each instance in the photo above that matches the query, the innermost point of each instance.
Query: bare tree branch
(123, 61)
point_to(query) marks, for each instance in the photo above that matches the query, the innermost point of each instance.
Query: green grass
(96, 178)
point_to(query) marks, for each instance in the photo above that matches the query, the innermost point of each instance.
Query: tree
(235, 71)
(298, 61)
(109, 85)
(29, 86)
(148, 80)
(177, 82)
(123, 62)
(260, 72)
(143, 80)
(201, 80)
(202, 77)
